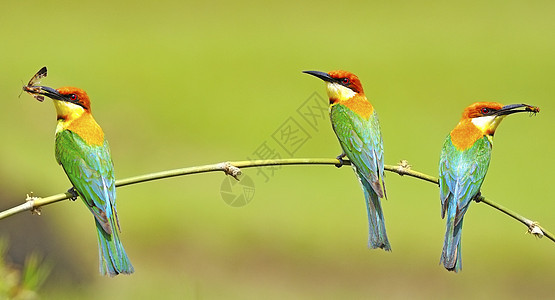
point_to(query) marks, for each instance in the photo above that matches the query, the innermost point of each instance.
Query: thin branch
(403, 168)
(233, 169)
(533, 227)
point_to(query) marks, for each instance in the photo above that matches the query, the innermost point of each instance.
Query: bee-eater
(85, 157)
(462, 168)
(356, 125)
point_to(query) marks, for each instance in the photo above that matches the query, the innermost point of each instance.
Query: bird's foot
(478, 198)
(340, 158)
(73, 193)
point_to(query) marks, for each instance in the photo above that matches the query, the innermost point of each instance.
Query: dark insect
(533, 110)
(31, 87)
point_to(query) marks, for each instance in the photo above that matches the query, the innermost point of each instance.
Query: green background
(178, 83)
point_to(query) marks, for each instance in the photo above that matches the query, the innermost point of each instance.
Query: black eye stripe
(486, 111)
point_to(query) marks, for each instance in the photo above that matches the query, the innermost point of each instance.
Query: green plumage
(462, 173)
(361, 141)
(91, 172)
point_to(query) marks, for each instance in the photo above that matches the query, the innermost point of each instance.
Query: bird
(84, 155)
(463, 165)
(356, 125)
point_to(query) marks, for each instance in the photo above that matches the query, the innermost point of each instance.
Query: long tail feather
(451, 256)
(377, 236)
(112, 257)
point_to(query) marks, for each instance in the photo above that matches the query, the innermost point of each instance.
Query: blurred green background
(180, 83)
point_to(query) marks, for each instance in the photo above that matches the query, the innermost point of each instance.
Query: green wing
(362, 142)
(462, 173)
(90, 170)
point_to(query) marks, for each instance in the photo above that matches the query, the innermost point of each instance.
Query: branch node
(403, 167)
(535, 230)
(30, 199)
(231, 170)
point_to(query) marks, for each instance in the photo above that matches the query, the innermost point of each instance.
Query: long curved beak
(515, 108)
(324, 76)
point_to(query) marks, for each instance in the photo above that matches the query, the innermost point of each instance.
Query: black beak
(321, 75)
(515, 108)
(45, 91)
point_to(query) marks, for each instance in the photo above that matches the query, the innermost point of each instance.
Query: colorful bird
(85, 157)
(356, 125)
(462, 168)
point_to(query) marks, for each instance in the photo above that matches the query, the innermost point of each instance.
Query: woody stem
(233, 169)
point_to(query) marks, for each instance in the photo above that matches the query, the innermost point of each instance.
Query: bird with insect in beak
(355, 122)
(463, 165)
(84, 154)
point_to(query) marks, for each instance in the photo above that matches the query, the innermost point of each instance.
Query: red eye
(345, 81)
(73, 97)
(485, 110)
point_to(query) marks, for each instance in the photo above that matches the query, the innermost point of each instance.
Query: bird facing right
(463, 165)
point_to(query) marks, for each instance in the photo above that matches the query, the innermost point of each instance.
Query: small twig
(234, 169)
(403, 168)
(231, 170)
(533, 227)
(31, 200)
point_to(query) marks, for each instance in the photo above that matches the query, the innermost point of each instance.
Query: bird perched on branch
(356, 125)
(462, 168)
(84, 154)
